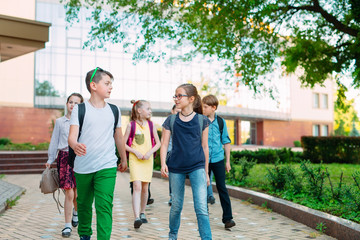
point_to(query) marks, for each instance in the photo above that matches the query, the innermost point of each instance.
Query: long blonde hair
(136, 105)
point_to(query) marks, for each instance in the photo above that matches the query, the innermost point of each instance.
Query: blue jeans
(209, 188)
(199, 190)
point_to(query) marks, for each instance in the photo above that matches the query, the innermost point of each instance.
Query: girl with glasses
(189, 156)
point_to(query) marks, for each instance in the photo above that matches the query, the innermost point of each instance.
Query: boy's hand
(80, 149)
(122, 166)
(207, 180)
(227, 167)
(164, 171)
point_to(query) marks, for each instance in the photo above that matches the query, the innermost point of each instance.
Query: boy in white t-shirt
(95, 164)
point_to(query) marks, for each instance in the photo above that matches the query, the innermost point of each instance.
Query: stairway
(23, 162)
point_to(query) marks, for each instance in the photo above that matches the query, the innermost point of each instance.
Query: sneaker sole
(137, 224)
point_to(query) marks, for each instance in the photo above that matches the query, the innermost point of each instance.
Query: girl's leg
(136, 198)
(144, 196)
(177, 181)
(68, 204)
(199, 190)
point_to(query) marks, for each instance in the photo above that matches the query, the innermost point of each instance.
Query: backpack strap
(151, 126)
(81, 115)
(115, 111)
(220, 122)
(201, 123)
(153, 142)
(132, 133)
(172, 121)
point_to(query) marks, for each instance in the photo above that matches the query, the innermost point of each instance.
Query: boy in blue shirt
(95, 165)
(218, 136)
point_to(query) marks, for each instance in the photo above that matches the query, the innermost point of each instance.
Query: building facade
(63, 64)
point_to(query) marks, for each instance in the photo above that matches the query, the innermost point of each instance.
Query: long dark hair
(76, 95)
(191, 91)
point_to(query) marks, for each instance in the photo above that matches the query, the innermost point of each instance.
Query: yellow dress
(141, 170)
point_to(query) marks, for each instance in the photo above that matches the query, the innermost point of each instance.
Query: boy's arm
(79, 148)
(165, 138)
(156, 147)
(205, 146)
(120, 144)
(227, 156)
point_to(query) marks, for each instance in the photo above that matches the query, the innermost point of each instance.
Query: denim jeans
(199, 190)
(209, 188)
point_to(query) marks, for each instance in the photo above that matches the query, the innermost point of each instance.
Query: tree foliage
(45, 89)
(315, 38)
(345, 117)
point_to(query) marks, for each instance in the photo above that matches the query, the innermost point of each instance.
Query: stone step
(23, 160)
(22, 171)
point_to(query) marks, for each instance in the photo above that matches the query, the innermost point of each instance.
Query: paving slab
(35, 216)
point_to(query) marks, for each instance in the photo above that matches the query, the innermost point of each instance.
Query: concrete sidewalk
(35, 216)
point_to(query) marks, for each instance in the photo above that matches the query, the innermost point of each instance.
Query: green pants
(99, 185)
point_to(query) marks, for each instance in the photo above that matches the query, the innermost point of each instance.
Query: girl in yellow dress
(142, 142)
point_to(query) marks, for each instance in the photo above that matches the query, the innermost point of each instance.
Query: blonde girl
(141, 145)
(189, 156)
(59, 150)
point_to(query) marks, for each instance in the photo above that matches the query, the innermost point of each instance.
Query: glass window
(316, 130)
(325, 104)
(324, 130)
(315, 100)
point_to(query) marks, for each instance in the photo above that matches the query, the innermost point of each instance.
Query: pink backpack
(132, 135)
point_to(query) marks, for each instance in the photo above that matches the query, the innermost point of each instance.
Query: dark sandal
(66, 234)
(74, 223)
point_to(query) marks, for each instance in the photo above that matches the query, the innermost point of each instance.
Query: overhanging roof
(19, 36)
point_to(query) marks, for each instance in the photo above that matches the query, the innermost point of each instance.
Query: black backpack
(220, 121)
(81, 115)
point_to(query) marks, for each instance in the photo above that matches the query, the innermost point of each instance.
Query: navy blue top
(187, 154)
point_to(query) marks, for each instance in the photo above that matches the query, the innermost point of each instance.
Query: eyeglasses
(179, 96)
(92, 76)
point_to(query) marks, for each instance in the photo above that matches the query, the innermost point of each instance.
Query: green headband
(92, 76)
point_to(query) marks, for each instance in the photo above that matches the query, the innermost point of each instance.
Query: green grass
(257, 177)
(24, 147)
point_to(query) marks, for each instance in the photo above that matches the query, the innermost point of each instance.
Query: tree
(345, 117)
(45, 89)
(315, 38)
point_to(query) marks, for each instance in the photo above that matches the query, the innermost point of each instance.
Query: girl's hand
(164, 171)
(80, 149)
(207, 180)
(139, 155)
(147, 156)
(47, 165)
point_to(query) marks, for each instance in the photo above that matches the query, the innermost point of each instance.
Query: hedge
(332, 149)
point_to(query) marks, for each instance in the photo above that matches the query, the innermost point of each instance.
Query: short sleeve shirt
(187, 154)
(98, 136)
(216, 141)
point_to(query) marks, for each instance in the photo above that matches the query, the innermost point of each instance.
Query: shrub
(5, 141)
(331, 149)
(297, 143)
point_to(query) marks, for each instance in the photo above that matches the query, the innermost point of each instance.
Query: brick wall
(27, 124)
(283, 134)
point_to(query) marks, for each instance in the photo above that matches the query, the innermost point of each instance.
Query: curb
(10, 192)
(337, 227)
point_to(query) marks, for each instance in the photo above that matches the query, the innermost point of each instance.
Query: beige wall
(17, 74)
(302, 102)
